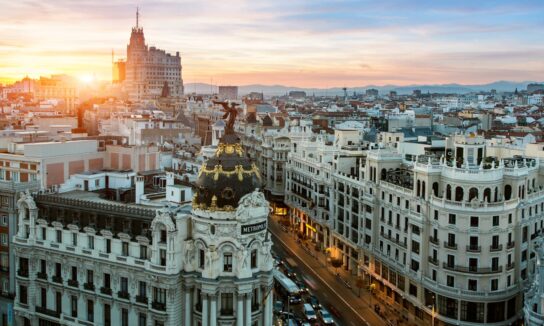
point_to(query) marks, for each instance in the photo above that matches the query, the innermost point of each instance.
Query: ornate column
(213, 310)
(268, 309)
(188, 306)
(204, 309)
(248, 309)
(239, 310)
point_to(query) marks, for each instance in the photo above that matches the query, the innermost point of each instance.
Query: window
(254, 258)
(451, 239)
(473, 221)
(142, 319)
(435, 214)
(451, 260)
(201, 258)
(413, 290)
(107, 315)
(4, 220)
(496, 220)
(73, 304)
(124, 248)
(162, 254)
(58, 268)
(227, 262)
(142, 289)
(59, 236)
(107, 281)
(90, 242)
(124, 317)
(90, 310)
(227, 304)
(90, 276)
(495, 263)
(4, 239)
(124, 284)
(450, 281)
(44, 233)
(143, 252)
(159, 295)
(108, 246)
(74, 273)
(74, 239)
(23, 294)
(472, 285)
(451, 219)
(415, 247)
(494, 284)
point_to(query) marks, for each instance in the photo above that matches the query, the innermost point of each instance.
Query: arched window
(459, 194)
(384, 174)
(507, 192)
(448, 192)
(418, 188)
(423, 189)
(435, 189)
(487, 195)
(472, 193)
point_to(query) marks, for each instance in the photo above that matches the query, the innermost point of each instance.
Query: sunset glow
(296, 43)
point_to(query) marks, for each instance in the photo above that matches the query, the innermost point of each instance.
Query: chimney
(139, 188)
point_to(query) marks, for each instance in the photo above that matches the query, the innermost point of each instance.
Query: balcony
(510, 245)
(57, 279)
(495, 248)
(48, 312)
(88, 286)
(448, 245)
(73, 283)
(472, 248)
(22, 272)
(434, 240)
(472, 269)
(141, 299)
(433, 260)
(158, 306)
(123, 295)
(42, 276)
(510, 266)
(106, 291)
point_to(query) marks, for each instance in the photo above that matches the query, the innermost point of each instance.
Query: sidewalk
(391, 313)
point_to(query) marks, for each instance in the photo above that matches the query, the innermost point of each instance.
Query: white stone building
(454, 231)
(83, 260)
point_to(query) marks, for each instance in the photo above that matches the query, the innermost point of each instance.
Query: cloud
(293, 41)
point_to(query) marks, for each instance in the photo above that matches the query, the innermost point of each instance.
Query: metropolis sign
(253, 228)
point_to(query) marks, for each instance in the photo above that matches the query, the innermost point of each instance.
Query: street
(323, 283)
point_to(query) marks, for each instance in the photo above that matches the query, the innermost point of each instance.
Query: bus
(286, 287)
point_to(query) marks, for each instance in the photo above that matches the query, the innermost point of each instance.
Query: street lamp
(371, 287)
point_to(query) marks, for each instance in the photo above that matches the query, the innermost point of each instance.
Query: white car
(309, 312)
(326, 317)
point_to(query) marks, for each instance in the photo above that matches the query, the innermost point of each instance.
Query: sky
(311, 43)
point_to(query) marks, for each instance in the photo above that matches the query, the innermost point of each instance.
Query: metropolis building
(84, 260)
(450, 235)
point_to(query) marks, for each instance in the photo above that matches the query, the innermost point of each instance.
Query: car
(312, 299)
(326, 317)
(302, 287)
(309, 312)
(278, 307)
(290, 273)
(287, 315)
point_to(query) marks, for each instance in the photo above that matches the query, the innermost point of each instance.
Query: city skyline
(296, 43)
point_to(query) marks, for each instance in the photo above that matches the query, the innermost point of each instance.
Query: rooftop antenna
(137, 16)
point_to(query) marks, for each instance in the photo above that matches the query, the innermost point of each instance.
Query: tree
(337, 263)
(359, 283)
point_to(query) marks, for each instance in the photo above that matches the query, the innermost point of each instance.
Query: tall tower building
(147, 69)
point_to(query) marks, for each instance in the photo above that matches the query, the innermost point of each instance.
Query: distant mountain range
(269, 90)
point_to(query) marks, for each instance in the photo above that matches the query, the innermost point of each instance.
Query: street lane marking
(322, 280)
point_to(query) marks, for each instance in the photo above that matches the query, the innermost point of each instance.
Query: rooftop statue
(230, 115)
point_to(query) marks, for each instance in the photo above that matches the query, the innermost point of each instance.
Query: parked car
(312, 299)
(326, 317)
(309, 312)
(302, 286)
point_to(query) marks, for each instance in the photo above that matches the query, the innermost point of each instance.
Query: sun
(86, 79)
